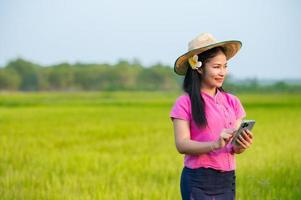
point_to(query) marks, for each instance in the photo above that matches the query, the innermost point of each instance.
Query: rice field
(120, 145)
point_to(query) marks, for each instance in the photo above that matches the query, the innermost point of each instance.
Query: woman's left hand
(245, 140)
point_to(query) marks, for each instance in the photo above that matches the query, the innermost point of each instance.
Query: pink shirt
(222, 111)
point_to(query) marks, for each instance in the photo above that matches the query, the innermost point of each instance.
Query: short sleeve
(181, 108)
(239, 109)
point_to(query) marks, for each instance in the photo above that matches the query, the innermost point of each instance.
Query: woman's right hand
(225, 137)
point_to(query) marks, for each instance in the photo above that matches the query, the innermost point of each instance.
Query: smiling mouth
(219, 79)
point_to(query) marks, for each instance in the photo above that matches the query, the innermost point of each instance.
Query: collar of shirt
(214, 98)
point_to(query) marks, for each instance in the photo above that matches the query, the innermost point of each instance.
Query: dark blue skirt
(207, 183)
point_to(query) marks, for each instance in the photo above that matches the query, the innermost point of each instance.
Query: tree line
(22, 75)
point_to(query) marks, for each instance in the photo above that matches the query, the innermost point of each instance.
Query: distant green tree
(156, 77)
(61, 77)
(126, 74)
(43, 77)
(27, 72)
(9, 79)
(23, 75)
(280, 85)
(90, 77)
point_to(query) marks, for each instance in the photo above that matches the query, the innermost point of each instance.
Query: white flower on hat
(194, 63)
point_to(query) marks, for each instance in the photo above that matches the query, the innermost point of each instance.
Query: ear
(200, 70)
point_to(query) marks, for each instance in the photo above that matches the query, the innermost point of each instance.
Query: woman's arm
(185, 145)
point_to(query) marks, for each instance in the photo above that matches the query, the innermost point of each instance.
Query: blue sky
(98, 31)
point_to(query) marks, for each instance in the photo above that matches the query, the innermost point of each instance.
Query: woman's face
(214, 72)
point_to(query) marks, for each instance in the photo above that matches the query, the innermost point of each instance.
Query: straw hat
(202, 43)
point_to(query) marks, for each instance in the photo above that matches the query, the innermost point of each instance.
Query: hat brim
(231, 48)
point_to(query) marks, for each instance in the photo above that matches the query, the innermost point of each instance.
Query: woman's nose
(223, 71)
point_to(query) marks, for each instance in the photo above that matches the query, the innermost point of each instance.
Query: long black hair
(192, 85)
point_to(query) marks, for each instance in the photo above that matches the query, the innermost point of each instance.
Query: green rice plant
(120, 145)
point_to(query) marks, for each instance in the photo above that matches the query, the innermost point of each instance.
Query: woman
(205, 119)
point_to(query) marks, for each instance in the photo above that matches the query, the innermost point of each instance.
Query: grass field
(120, 145)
